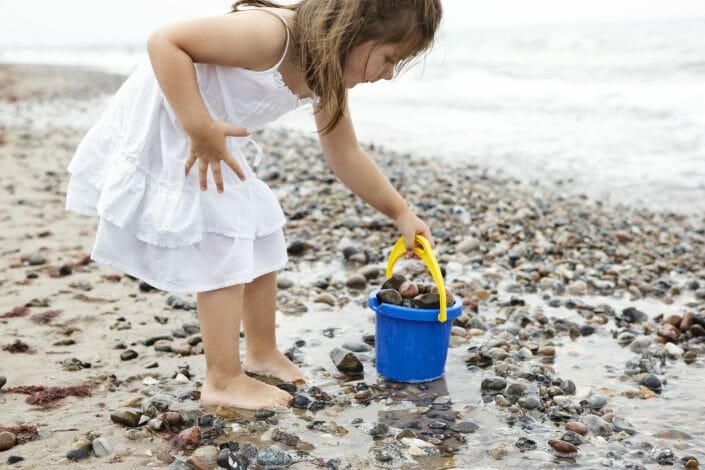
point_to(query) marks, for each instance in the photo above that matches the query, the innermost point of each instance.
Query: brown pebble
(7, 440)
(646, 393)
(623, 236)
(325, 299)
(692, 464)
(687, 321)
(546, 351)
(198, 463)
(394, 282)
(575, 426)
(165, 457)
(450, 298)
(674, 320)
(563, 447)
(190, 437)
(408, 289)
(669, 333)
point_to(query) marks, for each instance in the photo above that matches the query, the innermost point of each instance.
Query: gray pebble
(273, 456)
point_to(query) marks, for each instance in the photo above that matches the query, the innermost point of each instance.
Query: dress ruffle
(112, 184)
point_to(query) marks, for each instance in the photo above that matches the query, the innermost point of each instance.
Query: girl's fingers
(189, 163)
(232, 164)
(203, 174)
(236, 131)
(217, 175)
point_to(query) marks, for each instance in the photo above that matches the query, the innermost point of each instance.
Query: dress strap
(242, 141)
(288, 35)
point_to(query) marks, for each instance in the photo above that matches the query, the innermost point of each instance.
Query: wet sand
(534, 271)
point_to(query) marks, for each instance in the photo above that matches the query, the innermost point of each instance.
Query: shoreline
(94, 86)
(595, 285)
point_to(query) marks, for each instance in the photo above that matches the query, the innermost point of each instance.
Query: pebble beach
(581, 342)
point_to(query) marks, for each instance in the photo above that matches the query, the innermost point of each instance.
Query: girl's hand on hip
(410, 225)
(208, 147)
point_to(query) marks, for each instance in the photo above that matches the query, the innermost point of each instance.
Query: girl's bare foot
(244, 392)
(274, 364)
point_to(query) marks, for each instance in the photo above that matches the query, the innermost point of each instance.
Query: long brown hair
(327, 30)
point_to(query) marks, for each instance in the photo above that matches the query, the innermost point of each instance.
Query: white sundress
(155, 223)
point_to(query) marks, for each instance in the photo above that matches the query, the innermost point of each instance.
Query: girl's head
(340, 43)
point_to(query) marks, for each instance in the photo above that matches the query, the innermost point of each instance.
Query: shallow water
(595, 363)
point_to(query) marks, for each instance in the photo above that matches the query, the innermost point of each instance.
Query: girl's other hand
(207, 145)
(410, 225)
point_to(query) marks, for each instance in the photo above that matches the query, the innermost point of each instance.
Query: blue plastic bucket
(411, 345)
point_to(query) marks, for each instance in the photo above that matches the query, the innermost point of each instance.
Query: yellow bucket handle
(426, 254)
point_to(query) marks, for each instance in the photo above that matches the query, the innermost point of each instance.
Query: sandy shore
(556, 291)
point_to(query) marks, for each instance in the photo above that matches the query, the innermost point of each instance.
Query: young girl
(219, 232)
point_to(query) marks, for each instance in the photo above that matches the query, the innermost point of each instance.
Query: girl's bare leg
(262, 356)
(219, 315)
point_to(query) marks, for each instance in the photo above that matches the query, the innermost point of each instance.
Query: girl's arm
(359, 172)
(250, 39)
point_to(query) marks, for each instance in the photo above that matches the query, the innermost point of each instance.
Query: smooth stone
(622, 425)
(577, 288)
(673, 351)
(7, 440)
(651, 382)
(515, 391)
(530, 402)
(77, 454)
(13, 459)
(126, 418)
(546, 351)
(207, 453)
(587, 330)
(389, 296)
(625, 338)
(597, 402)
(568, 387)
(296, 247)
(409, 289)
(572, 437)
(190, 437)
(264, 413)
(128, 355)
(180, 465)
(356, 281)
(346, 361)
(35, 259)
(577, 427)
(3, 381)
(300, 401)
(493, 384)
(563, 448)
(597, 425)
(101, 447)
(497, 453)
(428, 301)
(465, 427)
(370, 272)
(640, 344)
(325, 299)
(356, 347)
(394, 282)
